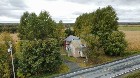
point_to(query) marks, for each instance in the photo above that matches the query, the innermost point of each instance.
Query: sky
(67, 10)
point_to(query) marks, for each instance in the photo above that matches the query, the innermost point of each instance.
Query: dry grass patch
(14, 36)
(133, 38)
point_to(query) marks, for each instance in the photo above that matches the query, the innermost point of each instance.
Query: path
(72, 66)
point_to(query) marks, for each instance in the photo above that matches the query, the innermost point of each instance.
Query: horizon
(67, 10)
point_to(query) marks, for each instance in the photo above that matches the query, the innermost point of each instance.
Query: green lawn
(129, 27)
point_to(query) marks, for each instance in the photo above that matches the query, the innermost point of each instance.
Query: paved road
(72, 66)
(110, 70)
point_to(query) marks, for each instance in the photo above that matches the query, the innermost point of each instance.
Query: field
(129, 27)
(133, 39)
(132, 35)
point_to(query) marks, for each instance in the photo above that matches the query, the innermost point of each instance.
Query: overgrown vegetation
(134, 75)
(5, 60)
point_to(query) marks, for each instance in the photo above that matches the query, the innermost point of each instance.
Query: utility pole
(10, 50)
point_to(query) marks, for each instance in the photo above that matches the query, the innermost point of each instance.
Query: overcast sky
(68, 10)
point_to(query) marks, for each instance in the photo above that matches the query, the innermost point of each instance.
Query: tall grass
(133, 39)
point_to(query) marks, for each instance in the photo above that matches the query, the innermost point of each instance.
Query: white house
(74, 46)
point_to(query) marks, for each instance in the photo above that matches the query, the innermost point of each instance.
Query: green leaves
(36, 27)
(100, 30)
(115, 44)
(39, 57)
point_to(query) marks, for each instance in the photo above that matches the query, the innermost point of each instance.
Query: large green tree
(36, 27)
(60, 32)
(99, 26)
(37, 57)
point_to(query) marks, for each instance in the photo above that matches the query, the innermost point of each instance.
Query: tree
(82, 26)
(104, 23)
(60, 32)
(5, 60)
(69, 32)
(115, 44)
(22, 28)
(36, 27)
(99, 26)
(38, 57)
(46, 25)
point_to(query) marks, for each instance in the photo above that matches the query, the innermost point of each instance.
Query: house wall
(75, 48)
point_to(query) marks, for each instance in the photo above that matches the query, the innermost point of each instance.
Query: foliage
(69, 32)
(38, 57)
(5, 60)
(10, 29)
(62, 69)
(82, 26)
(115, 44)
(36, 27)
(60, 32)
(134, 75)
(96, 28)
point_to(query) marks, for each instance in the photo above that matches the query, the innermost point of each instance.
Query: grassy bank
(134, 75)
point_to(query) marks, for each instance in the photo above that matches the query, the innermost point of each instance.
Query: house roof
(71, 37)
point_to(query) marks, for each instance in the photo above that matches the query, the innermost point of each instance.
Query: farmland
(132, 35)
(129, 27)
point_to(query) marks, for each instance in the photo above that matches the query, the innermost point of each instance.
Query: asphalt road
(110, 70)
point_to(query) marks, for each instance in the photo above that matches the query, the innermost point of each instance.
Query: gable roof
(71, 37)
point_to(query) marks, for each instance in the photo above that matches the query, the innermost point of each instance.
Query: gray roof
(71, 37)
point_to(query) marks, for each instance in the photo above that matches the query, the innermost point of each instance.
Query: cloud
(19, 4)
(68, 10)
(12, 8)
(81, 1)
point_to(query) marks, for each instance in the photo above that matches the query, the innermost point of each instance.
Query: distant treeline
(12, 27)
(129, 23)
(9, 27)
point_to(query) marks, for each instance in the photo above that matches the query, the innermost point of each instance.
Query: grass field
(132, 33)
(129, 27)
(133, 39)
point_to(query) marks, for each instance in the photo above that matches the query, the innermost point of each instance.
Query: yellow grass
(15, 37)
(133, 38)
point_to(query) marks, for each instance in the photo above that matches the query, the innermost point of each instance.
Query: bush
(115, 44)
(38, 57)
(5, 60)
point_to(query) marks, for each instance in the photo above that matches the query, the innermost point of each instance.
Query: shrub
(115, 44)
(5, 60)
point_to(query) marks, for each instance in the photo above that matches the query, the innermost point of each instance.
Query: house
(74, 46)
